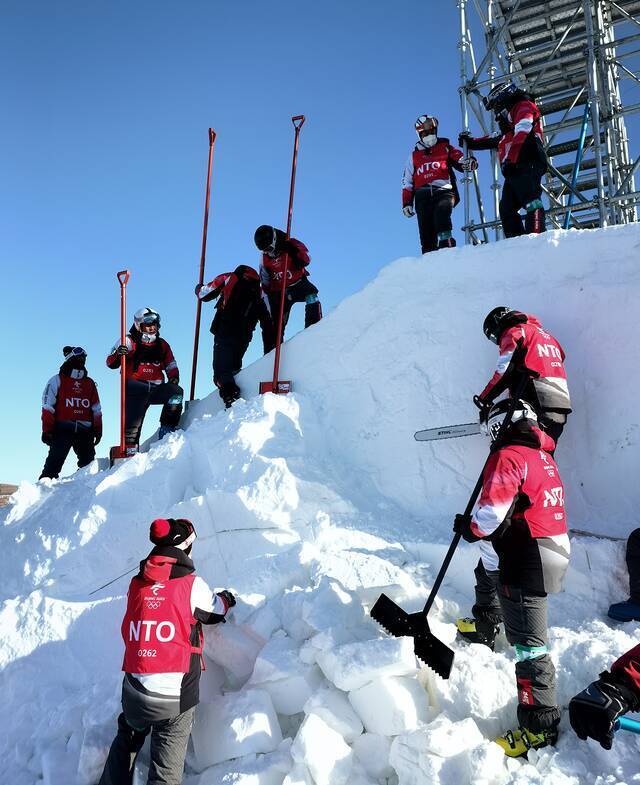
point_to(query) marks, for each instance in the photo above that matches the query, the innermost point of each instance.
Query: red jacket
(146, 362)
(430, 166)
(521, 508)
(158, 625)
(627, 668)
(528, 346)
(271, 269)
(71, 398)
(525, 129)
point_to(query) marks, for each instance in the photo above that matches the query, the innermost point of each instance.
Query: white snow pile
(307, 506)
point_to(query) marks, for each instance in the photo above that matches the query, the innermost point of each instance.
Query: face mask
(148, 337)
(429, 140)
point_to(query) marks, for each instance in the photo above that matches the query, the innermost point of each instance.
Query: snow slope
(308, 506)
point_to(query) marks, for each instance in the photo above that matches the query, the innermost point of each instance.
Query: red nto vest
(157, 626)
(75, 398)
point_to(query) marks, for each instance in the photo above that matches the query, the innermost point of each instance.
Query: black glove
(462, 525)
(509, 169)
(96, 439)
(198, 287)
(484, 407)
(593, 711)
(464, 136)
(227, 597)
(47, 438)
(174, 380)
(122, 350)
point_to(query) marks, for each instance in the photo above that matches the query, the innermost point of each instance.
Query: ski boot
(624, 611)
(534, 219)
(164, 430)
(517, 743)
(229, 392)
(477, 631)
(445, 240)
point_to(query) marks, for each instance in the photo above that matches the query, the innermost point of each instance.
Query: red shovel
(120, 451)
(276, 385)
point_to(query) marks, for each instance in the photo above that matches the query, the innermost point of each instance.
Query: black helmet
(518, 410)
(499, 96)
(265, 238)
(497, 321)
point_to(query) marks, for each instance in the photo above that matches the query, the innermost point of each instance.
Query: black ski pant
(228, 352)
(633, 564)
(521, 190)
(141, 395)
(303, 291)
(433, 210)
(68, 435)
(169, 739)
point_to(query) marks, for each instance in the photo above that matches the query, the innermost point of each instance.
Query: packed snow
(307, 506)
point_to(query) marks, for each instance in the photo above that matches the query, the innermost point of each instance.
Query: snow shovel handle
(624, 723)
(123, 279)
(472, 499)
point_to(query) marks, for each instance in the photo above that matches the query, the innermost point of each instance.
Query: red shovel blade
(116, 453)
(283, 387)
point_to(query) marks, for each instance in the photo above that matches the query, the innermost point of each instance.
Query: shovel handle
(298, 121)
(123, 277)
(624, 723)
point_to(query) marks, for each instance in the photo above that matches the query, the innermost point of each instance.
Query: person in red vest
(149, 358)
(594, 711)
(275, 249)
(527, 350)
(239, 308)
(71, 414)
(520, 521)
(429, 188)
(167, 604)
(521, 154)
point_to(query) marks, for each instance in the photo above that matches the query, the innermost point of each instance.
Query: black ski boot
(477, 631)
(229, 393)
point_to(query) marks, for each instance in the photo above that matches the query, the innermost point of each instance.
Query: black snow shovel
(397, 622)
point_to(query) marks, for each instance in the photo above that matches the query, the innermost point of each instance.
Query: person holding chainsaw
(239, 308)
(149, 358)
(167, 604)
(521, 154)
(527, 354)
(429, 188)
(277, 251)
(593, 713)
(71, 414)
(520, 522)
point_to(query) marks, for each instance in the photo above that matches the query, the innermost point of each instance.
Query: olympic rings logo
(153, 605)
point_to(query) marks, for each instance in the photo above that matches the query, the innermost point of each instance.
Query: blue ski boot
(625, 611)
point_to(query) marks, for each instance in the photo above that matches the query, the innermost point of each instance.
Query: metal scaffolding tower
(571, 55)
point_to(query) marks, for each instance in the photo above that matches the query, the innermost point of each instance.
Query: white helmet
(499, 412)
(146, 316)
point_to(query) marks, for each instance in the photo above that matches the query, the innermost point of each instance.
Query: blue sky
(103, 158)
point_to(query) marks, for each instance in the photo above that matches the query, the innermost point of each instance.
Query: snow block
(372, 751)
(324, 752)
(234, 647)
(279, 671)
(391, 705)
(299, 775)
(353, 665)
(269, 769)
(440, 753)
(234, 725)
(334, 708)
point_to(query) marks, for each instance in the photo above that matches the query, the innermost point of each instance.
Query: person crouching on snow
(167, 604)
(71, 414)
(239, 308)
(520, 521)
(275, 249)
(429, 186)
(149, 358)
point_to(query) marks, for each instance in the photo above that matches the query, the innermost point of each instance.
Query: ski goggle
(149, 319)
(425, 123)
(77, 351)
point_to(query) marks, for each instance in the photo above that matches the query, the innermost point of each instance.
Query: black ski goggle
(77, 351)
(149, 320)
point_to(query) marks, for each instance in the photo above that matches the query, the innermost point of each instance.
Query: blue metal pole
(576, 166)
(624, 723)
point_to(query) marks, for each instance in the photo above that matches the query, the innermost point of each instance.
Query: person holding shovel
(520, 516)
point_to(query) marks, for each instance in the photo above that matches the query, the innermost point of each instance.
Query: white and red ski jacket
(524, 117)
(429, 166)
(146, 362)
(528, 346)
(71, 399)
(521, 509)
(272, 269)
(161, 627)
